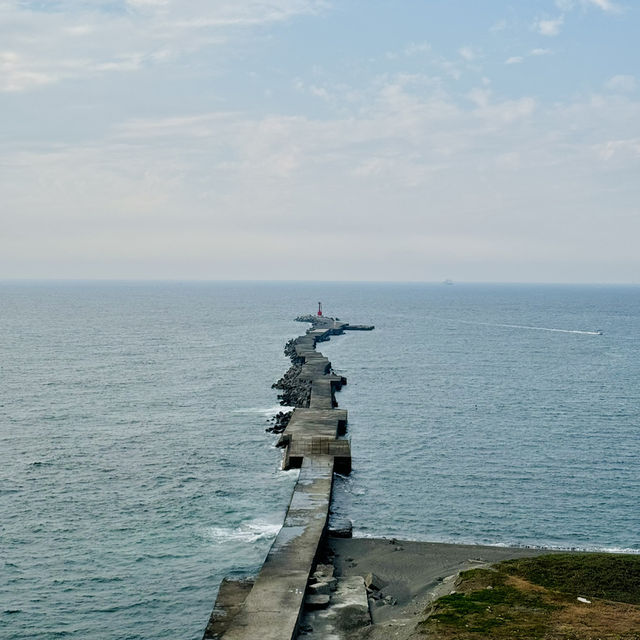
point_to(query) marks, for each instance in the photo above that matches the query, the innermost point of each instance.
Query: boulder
(340, 528)
(319, 588)
(323, 571)
(320, 601)
(373, 582)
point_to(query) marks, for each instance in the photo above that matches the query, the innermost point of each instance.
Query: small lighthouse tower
(319, 309)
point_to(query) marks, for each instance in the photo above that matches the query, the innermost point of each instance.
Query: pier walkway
(270, 607)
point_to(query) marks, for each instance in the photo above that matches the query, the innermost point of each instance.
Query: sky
(400, 140)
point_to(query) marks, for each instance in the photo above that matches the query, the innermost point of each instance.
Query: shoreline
(499, 545)
(412, 574)
(405, 578)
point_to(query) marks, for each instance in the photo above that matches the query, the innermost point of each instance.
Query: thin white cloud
(319, 92)
(80, 29)
(534, 52)
(622, 83)
(480, 97)
(438, 63)
(75, 40)
(628, 148)
(416, 48)
(605, 5)
(147, 3)
(467, 53)
(410, 50)
(549, 26)
(22, 73)
(16, 74)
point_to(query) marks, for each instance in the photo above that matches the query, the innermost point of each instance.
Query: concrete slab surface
(348, 610)
(231, 596)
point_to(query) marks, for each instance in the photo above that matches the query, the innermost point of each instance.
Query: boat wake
(526, 326)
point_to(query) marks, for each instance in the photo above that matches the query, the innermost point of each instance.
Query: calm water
(135, 471)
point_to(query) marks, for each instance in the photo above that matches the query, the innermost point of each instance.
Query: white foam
(249, 532)
(288, 473)
(605, 549)
(264, 411)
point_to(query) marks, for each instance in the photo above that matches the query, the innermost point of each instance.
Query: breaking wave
(251, 531)
(267, 412)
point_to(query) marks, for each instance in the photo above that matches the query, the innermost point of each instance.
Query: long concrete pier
(270, 607)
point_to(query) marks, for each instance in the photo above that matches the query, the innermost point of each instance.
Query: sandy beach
(412, 574)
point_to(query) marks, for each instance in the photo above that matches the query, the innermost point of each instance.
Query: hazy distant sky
(485, 140)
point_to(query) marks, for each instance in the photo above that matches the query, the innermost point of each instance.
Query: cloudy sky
(418, 140)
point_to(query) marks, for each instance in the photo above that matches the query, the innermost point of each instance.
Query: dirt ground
(413, 573)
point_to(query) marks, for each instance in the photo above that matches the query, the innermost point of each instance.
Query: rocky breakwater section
(294, 391)
(313, 437)
(296, 384)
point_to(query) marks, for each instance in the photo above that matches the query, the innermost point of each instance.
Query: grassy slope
(537, 598)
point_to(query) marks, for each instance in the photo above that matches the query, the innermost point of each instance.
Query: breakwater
(313, 439)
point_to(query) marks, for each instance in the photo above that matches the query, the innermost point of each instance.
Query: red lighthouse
(320, 309)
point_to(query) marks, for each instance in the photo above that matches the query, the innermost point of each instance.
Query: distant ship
(447, 281)
(600, 332)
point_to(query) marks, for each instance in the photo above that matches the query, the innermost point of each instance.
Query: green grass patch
(599, 575)
(492, 603)
(486, 605)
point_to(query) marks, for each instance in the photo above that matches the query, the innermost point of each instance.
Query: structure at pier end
(291, 583)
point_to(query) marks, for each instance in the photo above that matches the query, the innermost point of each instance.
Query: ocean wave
(585, 549)
(250, 532)
(349, 484)
(267, 412)
(287, 473)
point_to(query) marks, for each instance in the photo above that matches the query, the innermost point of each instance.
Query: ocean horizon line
(133, 280)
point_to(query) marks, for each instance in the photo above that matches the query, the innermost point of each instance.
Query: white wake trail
(526, 326)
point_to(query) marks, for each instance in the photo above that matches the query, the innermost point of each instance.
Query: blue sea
(135, 470)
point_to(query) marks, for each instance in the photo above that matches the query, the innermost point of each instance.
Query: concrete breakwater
(313, 439)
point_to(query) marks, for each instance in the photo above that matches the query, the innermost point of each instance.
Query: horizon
(301, 282)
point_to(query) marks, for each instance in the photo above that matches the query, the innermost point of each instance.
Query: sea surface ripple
(135, 471)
